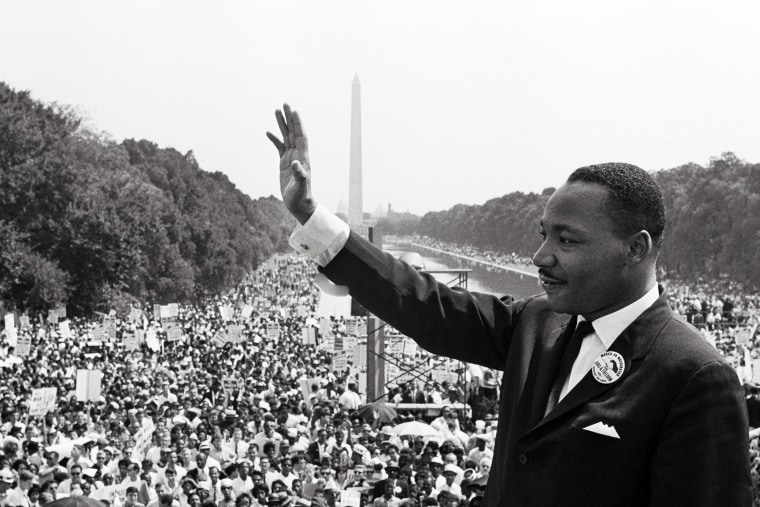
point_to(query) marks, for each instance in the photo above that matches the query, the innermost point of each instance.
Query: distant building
(380, 212)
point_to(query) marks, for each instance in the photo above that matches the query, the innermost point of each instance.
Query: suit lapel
(541, 375)
(632, 344)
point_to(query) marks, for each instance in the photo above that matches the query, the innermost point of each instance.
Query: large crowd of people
(239, 401)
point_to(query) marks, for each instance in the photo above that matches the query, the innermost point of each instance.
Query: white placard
(130, 341)
(309, 336)
(173, 334)
(235, 334)
(360, 355)
(99, 334)
(273, 331)
(351, 326)
(42, 401)
(64, 329)
(361, 327)
(24, 345)
(340, 361)
(744, 335)
(11, 336)
(88, 385)
(151, 340)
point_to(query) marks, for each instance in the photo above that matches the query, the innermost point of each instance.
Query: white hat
(452, 468)
(6, 476)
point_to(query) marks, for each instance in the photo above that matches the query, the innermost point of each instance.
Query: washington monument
(355, 209)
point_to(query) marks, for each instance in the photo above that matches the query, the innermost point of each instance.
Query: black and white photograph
(397, 254)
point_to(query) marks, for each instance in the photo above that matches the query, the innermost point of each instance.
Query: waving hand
(295, 172)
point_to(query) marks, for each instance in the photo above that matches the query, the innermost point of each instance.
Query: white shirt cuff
(321, 237)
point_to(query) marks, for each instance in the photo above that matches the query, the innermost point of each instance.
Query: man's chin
(559, 304)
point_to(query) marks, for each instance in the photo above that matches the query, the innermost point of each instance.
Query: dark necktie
(566, 362)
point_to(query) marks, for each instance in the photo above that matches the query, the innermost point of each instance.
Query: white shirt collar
(609, 327)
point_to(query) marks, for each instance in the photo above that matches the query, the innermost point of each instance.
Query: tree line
(713, 229)
(91, 223)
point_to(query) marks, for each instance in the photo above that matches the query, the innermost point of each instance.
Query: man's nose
(544, 256)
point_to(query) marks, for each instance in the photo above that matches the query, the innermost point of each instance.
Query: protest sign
(324, 327)
(219, 338)
(235, 334)
(273, 331)
(11, 336)
(226, 313)
(23, 345)
(351, 326)
(129, 340)
(309, 336)
(350, 343)
(361, 327)
(151, 340)
(340, 361)
(42, 401)
(99, 334)
(744, 335)
(64, 330)
(230, 384)
(350, 498)
(360, 355)
(246, 311)
(173, 334)
(10, 321)
(88, 385)
(24, 321)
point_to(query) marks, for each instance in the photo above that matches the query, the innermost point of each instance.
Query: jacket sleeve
(701, 458)
(468, 326)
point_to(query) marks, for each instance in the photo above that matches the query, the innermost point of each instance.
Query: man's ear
(639, 247)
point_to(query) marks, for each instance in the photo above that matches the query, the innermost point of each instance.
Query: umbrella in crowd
(415, 428)
(377, 413)
(75, 501)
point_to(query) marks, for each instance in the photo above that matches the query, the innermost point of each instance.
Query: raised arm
(295, 172)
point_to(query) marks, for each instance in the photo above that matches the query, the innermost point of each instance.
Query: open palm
(295, 172)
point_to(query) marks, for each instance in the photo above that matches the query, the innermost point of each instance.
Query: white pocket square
(602, 429)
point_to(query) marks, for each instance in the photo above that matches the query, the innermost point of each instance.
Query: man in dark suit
(607, 396)
(319, 448)
(413, 394)
(400, 488)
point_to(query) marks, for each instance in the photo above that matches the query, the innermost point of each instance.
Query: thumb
(298, 170)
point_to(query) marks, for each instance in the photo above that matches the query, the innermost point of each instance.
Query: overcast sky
(462, 101)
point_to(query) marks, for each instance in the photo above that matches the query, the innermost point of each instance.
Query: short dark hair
(635, 200)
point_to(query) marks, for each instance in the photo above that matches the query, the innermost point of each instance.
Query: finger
(291, 140)
(283, 127)
(298, 170)
(297, 126)
(277, 143)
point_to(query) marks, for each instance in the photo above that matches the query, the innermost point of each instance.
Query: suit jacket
(313, 452)
(678, 408)
(418, 397)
